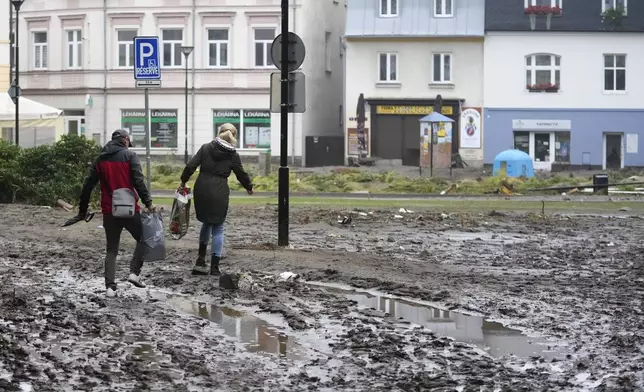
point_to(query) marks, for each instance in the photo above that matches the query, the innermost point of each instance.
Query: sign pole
(283, 172)
(147, 140)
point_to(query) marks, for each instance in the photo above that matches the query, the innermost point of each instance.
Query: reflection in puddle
(493, 337)
(256, 334)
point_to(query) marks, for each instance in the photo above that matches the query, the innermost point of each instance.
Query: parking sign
(147, 64)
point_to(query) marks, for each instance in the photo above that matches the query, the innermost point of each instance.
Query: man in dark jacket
(122, 183)
(217, 159)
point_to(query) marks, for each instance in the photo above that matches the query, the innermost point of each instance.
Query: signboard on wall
(412, 110)
(541, 125)
(257, 128)
(470, 128)
(353, 143)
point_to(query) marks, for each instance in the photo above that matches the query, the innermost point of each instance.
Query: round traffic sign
(296, 51)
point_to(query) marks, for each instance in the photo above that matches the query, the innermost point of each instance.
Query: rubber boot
(214, 265)
(200, 266)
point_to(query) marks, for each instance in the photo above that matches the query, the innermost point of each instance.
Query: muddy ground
(481, 302)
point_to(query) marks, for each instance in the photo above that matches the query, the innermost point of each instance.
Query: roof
(415, 19)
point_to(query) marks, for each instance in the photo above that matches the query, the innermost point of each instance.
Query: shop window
(522, 141)
(257, 129)
(163, 127)
(562, 147)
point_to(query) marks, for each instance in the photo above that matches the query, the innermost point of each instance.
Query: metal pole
(282, 209)
(148, 165)
(185, 158)
(431, 148)
(17, 56)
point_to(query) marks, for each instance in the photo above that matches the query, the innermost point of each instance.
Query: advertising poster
(425, 141)
(470, 128)
(223, 116)
(354, 142)
(257, 128)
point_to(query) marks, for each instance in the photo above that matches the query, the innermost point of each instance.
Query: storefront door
(542, 150)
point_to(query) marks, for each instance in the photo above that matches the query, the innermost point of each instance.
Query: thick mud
(387, 300)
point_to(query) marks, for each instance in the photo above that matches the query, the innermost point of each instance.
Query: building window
(543, 72)
(126, 47)
(388, 8)
(172, 39)
(443, 8)
(40, 50)
(388, 67)
(217, 48)
(74, 48)
(522, 141)
(614, 4)
(549, 3)
(442, 66)
(263, 38)
(614, 72)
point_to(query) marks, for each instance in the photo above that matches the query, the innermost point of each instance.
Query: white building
(4, 46)
(568, 92)
(401, 54)
(78, 57)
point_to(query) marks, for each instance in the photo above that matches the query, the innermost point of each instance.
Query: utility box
(264, 161)
(600, 181)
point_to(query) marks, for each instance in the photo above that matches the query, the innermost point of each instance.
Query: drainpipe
(294, 4)
(194, 56)
(104, 70)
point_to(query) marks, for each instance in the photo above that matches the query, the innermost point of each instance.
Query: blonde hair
(227, 127)
(228, 136)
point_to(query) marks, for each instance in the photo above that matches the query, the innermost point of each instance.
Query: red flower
(542, 10)
(542, 87)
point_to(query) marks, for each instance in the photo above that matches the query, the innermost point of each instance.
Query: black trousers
(113, 229)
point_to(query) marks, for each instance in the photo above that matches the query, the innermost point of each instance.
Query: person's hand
(151, 208)
(249, 191)
(183, 185)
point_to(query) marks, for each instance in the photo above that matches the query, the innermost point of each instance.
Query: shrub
(43, 174)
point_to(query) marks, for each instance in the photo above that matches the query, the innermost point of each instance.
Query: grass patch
(442, 205)
(166, 176)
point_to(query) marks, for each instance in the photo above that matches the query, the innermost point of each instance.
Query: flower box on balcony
(542, 88)
(541, 10)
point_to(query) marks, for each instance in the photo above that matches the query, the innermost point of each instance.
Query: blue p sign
(147, 64)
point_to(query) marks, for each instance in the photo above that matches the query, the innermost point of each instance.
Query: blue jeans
(217, 234)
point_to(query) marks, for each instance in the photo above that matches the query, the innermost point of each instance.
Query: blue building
(565, 87)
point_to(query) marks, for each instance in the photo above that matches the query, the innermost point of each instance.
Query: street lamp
(16, 83)
(186, 50)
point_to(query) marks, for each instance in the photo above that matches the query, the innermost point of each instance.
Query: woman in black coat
(211, 193)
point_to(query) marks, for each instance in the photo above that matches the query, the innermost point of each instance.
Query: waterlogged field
(391, 300)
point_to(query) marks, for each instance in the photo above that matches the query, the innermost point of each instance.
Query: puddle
(256, 334)
(492, 337)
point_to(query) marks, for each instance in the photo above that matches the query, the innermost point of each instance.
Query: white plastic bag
(153, 236)
(180, 214)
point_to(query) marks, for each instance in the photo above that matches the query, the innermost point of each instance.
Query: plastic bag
(180, 214)
(153, 237)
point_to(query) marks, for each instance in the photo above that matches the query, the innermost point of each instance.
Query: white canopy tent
(39, 123)
(29, 110)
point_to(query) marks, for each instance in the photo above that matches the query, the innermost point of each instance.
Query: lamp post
(16, 83)
(186, 50)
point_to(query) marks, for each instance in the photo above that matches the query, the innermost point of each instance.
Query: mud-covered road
(392, 301)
